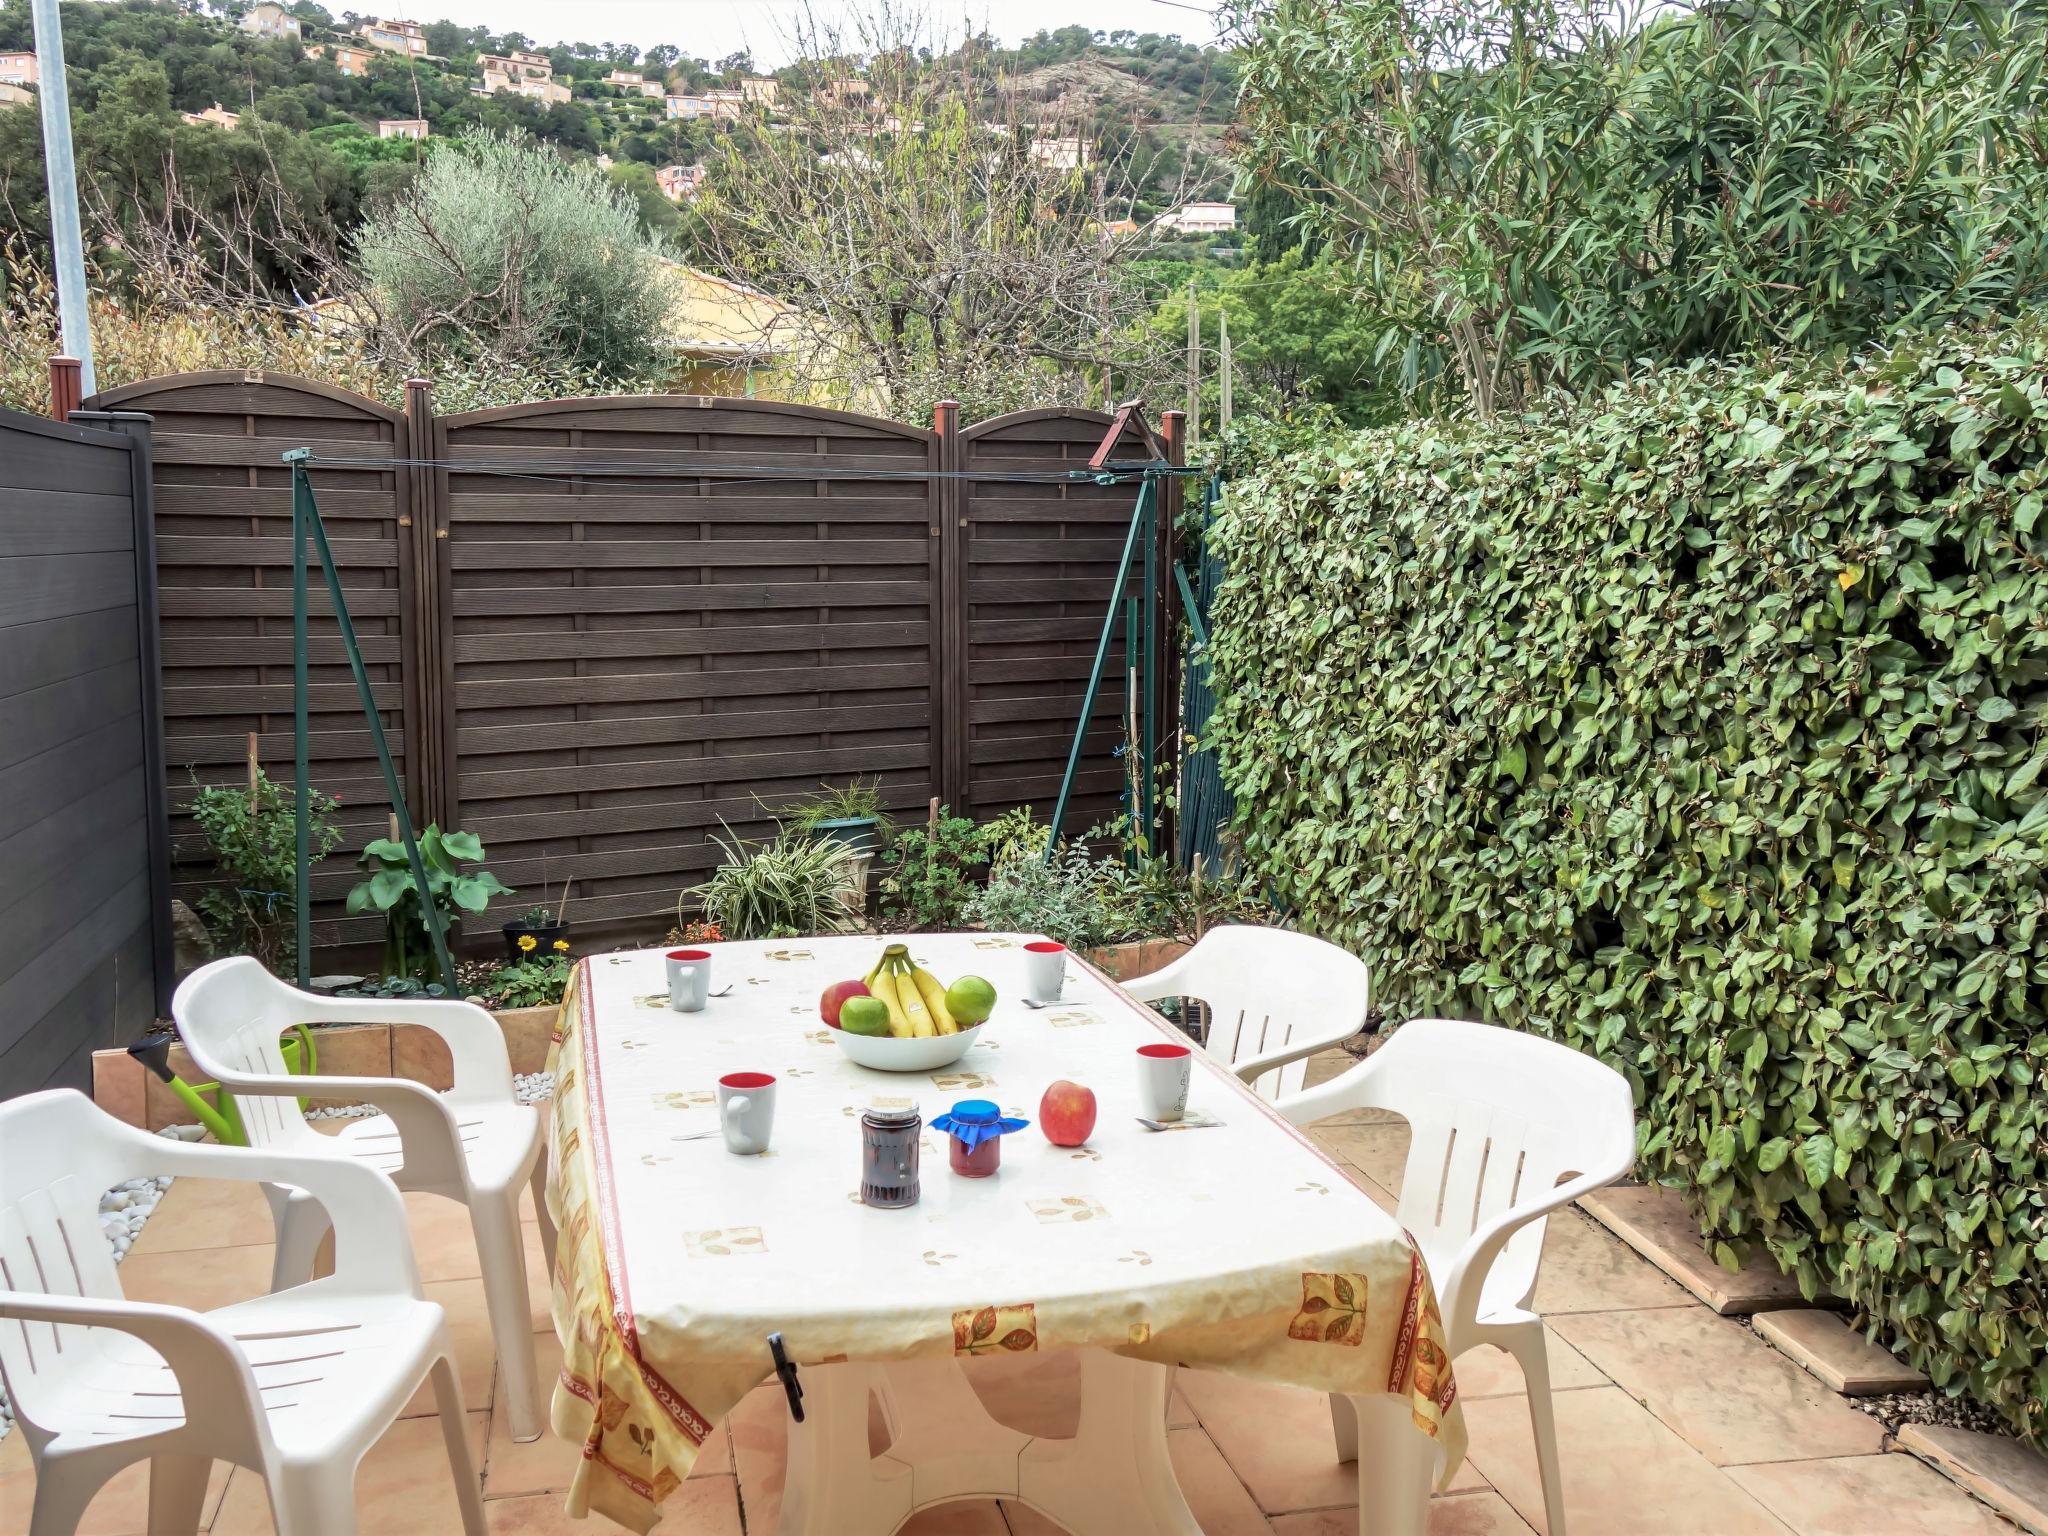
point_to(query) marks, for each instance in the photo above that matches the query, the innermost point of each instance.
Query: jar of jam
(975, 1128)
(889, 1132)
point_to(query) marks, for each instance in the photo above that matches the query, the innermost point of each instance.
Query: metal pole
(302, 776)
(1148, 629)
(1223, 370)
(62, 171)
(1194, 368)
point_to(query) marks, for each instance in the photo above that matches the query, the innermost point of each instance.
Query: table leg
(832, 1487)
(1396, 1465)
(1115, 1477)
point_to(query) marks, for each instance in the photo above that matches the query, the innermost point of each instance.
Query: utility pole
(65, 235)
(1194, 368)
(1223, 370)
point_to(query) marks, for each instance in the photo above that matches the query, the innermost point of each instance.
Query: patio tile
(1490, 1372)
(2012, 1478)
(546, 1465)
(1890, 1495)
(202, 1278)
(1378, 1150)
(1484, 1513)
(1655, 1222)
(760, 1451)
(1724, 1390)
(121, 1508)
(1624, 1473)
(1838, 1354)
(443, 1240)
(403, 1488)
(476, 1352)
(1588, 1269)
(970, 1517)
(1279, 1441)
(206, 1213)
(709, 1508)
(1220, 1505)
(1033, 1394)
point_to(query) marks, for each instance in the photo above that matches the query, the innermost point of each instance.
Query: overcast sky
(711, 29)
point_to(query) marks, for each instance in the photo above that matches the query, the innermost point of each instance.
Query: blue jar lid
(974, 1121)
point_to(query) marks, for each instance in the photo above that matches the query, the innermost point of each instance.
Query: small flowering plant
(537, 979)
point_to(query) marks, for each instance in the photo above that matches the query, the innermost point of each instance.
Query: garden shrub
(1699, 726)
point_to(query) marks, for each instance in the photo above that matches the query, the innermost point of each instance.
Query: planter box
(130, 1092)
(1138, 957)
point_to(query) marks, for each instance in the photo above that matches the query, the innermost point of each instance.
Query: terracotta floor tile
(1221, 1504)
(970, 1517)
(1033, 1394)
(1490, 1372)
(403, 1488)
(121, 1508)
(443, 1241)
(707, 1508)
(539, 1288)
(714, 1458)
(1379, 1151)
(206, 1213)
(1728, 1393)
(1890, 1495)
(545, 1465)
(760, 1451)
(1586, 1268)
(201, 1278)
(1484, 1513)
(1625, 1474)
(476, 1353)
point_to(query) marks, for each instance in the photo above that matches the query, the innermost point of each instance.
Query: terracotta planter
(1137, 957)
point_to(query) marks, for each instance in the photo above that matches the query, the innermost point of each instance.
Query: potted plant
(851, 816)
(391, 890)
(542, 924)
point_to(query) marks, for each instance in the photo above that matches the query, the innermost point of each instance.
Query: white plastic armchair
(296, 1385)
(1504, 1129)
(1275, 998)
(476, 1143)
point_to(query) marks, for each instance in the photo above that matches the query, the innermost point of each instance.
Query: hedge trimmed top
(1700, 727)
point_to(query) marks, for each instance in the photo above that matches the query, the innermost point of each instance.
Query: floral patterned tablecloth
(1239, 1248)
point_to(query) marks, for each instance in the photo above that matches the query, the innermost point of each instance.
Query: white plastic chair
(476, 1143)
(1271, 993)
(296, 1385)
(1496, 1118)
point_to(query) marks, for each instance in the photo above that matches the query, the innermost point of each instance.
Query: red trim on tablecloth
(688, 1419)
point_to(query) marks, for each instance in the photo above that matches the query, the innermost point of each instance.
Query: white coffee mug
(1163, 1073)
(746, 1108)
(1045, 970)
(689, 979)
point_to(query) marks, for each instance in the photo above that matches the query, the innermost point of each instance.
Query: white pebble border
(126, 1207)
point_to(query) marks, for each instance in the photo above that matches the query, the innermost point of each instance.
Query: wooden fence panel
(85, 909)
(1040, 561)
(659, 614)
(224, 550)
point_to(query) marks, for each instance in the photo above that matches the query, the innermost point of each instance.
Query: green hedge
(1700, 727)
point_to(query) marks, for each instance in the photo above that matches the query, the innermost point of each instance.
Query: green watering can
(223, 1118)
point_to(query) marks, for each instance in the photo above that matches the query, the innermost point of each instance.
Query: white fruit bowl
(886, 1053)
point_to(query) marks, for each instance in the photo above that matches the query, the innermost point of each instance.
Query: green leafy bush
(928, 873)
(1061, 898)
(391, 890)
(1700, 727)
(255, 853)
(788, 888)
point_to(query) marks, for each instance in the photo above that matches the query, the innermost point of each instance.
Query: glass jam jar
(975, 1130)
(889, 1132)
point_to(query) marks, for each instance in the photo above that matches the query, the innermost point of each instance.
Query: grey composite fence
(86, 956)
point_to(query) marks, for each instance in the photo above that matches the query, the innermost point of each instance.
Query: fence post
(949, 615)
(419, 604)
(135, 426)
(66, 387)
(1173, 427)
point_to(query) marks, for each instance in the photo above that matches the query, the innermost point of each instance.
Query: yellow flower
(527, 941)
(561, 946)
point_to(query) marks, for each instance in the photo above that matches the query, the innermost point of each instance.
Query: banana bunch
(916, 1001)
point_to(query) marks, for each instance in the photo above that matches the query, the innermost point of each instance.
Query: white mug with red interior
(1163, 1073)
(1045, 970)
(746, 1109)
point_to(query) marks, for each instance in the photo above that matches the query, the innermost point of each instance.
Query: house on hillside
(216, 115)
(348, 60)
(679, 183)
(395, 37)
(517, 66)
(401, 127)
(632, 80)
(270, 20)
(1060, 154)
(760, 92)
(717, 106)
(1201, 218)
(533, 88)
(848, 91)
(12, 95)
(19, 69)
(726, 338)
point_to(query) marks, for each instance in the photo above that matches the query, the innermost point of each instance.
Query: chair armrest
(205, 1360)
(1460, 1287)
(427, 1127)
(1348, 1090)
(372, 1243)
(1253, 1068)
(1164, 982)
(483, 1066)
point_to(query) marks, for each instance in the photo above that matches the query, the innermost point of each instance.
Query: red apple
(1067, 1114)
(836, 994)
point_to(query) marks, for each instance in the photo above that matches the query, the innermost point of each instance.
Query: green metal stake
(1123, 571)
(1149, 723)
(306, 518)
(302, 495)
(1131, 801)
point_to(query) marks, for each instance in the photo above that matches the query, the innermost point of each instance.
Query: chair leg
(496, 1221)
(314, 1498)
(62, 1492)
(540, 1208)
(454, 1430)
(302, 1228)
(177, 1494)
(1344, 1420)
(1527, 1345)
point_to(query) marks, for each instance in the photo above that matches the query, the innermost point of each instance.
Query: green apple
(864, 1016)
(970, 1000)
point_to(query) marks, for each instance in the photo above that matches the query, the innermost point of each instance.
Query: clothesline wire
(1115, 472)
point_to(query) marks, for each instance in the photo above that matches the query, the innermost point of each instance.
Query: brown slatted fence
(224, 549)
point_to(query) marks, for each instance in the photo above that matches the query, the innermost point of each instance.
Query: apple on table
(835, 998)
(1067, 1114)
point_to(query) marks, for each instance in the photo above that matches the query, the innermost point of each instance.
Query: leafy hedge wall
(1701, 728)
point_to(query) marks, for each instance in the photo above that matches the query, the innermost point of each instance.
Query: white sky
(711, 29)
